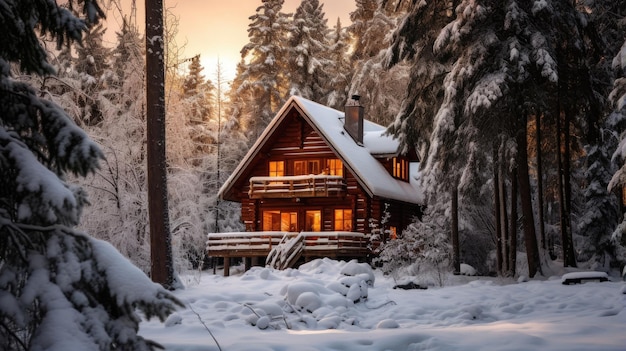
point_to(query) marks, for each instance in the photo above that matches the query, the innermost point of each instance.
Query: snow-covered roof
(359, 159)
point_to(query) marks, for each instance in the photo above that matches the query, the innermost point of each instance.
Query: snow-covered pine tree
(600, 212)
(340, 71)
(265, 77)
(380, 89)
(618, 119)
(92, 64)
(60, 289)
(308, 55)
(413, 42)
(198, 92)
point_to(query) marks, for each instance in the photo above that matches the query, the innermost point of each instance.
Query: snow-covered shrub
(423, 249)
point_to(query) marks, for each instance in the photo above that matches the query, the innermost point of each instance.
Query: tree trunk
(530, 238)
(456, 259)
(503, 209)
(497, 208)
(540, 213)
(569, 258)
(512, 257)
(162, 270)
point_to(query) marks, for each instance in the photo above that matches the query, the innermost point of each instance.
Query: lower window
(343, 220)
(280, 221)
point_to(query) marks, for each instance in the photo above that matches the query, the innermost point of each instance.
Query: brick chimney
(353, 123)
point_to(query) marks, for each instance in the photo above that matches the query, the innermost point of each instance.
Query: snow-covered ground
(333, 306)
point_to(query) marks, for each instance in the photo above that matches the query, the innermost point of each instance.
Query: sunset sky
(218, 28)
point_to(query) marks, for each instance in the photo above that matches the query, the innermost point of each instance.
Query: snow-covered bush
(423, 249)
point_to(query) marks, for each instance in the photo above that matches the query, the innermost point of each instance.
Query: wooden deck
(285, 249)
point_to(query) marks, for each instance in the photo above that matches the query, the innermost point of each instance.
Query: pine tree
(340, 72)
(49, 270)
(265, 76)
(197, 91)
(600, 214)
(380, 90)
(617, 119)
(308, 56)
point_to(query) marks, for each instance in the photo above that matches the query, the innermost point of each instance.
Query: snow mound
(319, 304)
(466, 269)
(387, 324)
(353, 269)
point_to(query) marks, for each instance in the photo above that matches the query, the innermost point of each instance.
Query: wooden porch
(296, 186)
(285, 249)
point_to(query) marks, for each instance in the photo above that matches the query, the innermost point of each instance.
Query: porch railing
(296, 186)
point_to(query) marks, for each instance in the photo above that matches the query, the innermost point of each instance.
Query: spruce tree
(340, 72)
(308, 53)
(265, 75)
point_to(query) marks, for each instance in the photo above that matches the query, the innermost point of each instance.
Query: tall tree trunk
(496, 207)
(162, 269)
(512, 257)
(569, 258)
(540, 205)
(503, 208)
(456, 256)
(530, 238)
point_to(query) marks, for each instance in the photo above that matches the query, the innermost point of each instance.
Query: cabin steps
(287, 253)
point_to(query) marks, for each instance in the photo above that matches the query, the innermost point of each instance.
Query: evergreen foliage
(308, 56)
(265, 77)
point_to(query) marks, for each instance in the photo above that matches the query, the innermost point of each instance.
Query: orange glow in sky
(219, 28)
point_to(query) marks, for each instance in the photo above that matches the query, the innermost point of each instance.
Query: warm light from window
(276, 168)
(343, 220)
(313, 221)
(306, 167)
(334, 167)
(401, 168)
(393, 233)
(276, 220)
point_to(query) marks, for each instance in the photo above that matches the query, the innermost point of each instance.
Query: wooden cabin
(318, 170)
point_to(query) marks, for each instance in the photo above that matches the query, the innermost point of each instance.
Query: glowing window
(401, 168)
(343, 220)
(280, 221)
(306, 167)
(313, 221)
(276, 168)
(334, 167)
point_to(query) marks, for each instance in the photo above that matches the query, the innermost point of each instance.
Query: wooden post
(226, 266)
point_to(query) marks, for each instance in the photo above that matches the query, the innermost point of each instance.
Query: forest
(515, 108)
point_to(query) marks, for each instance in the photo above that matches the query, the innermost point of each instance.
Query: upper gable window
(306, 167)
(276, 168)
(334, 166)
(400, 168)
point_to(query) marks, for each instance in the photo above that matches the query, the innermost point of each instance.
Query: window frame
(400, 168)
(345, 221)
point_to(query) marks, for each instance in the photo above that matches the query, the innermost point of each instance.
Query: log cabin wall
(297, 140)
